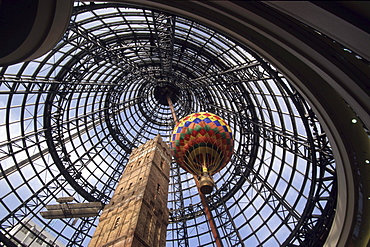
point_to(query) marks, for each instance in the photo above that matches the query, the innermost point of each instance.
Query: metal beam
(72, 210)
(165, 31)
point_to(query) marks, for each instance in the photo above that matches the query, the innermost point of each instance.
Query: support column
(137, 214)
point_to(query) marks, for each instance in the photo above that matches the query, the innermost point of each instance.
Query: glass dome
(71, 118)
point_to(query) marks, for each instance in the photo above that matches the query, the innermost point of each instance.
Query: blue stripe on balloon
(197, 120)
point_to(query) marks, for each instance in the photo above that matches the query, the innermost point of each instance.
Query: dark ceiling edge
(349, 11)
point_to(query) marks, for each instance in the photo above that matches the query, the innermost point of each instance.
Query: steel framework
(71, 118)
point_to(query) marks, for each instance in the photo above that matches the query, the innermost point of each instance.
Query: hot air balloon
(202, 144)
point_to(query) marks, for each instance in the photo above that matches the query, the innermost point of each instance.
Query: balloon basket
(206, 184)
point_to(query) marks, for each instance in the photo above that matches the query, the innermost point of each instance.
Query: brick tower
(137, 214)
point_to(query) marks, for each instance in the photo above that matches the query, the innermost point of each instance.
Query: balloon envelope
(202, 142)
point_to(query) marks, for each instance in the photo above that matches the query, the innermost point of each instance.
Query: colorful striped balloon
(202, 143)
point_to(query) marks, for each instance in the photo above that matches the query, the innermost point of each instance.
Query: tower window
(117, 222)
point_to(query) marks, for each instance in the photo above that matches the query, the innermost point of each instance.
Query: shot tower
(137, 214)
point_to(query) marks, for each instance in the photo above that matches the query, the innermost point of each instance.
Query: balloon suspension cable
(170, 104)
(203, 198)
